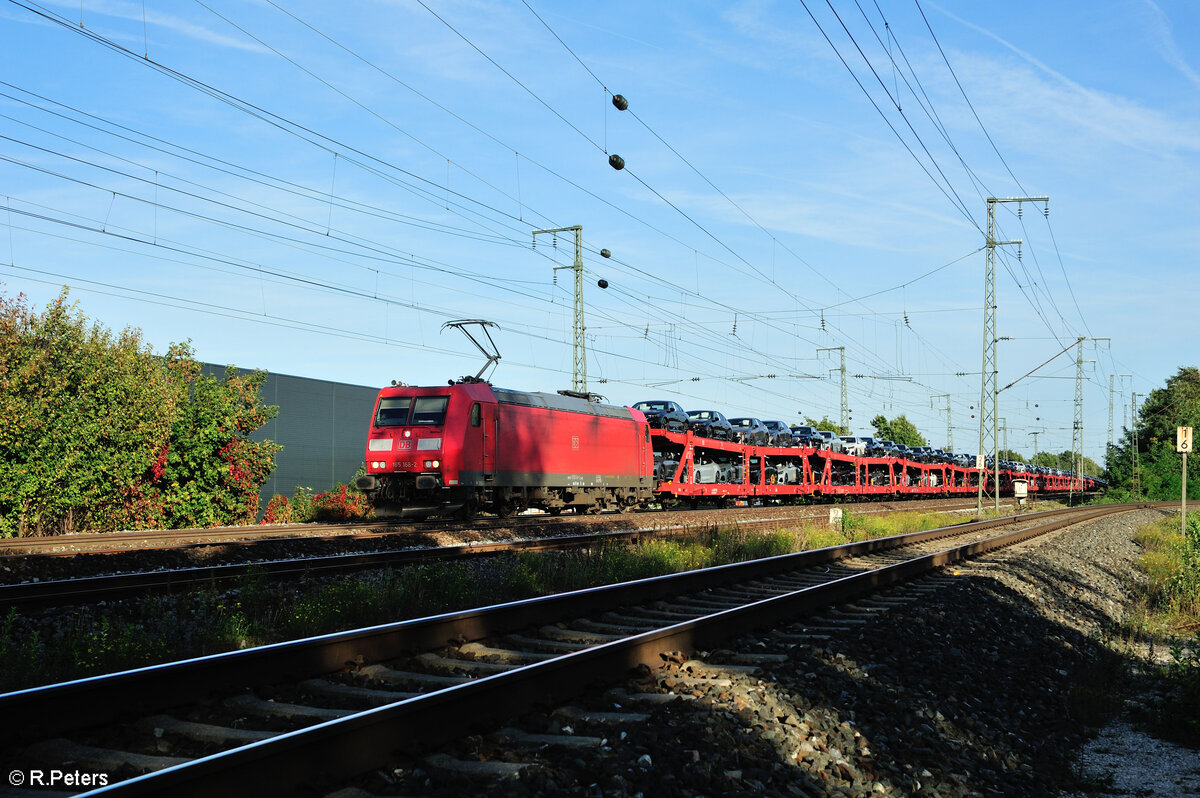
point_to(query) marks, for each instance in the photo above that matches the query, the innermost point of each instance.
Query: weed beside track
(71, 642)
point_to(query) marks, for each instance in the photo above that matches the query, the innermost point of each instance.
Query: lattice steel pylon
(579, 350)
(1110, 416)
(988, 392)
(1133, 425)
(1077, 426)
(949, 425)
(1111, 386)
(845, 417)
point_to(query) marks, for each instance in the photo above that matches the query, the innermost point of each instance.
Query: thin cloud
(128, 11)
(1104, 116)
(1161, 28)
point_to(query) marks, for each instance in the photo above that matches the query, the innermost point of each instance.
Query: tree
(825, 423)
(85, 415)
(1045, 459)
(1065, 460)
(1158, 464)
(210, 472)
(898, 430)
(1009, 454)
(99, 433)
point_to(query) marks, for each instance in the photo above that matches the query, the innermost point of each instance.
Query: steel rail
(248, 534)
(94, 588)
(51, 709)
(213, 535)
(55, 592)
(341, 748)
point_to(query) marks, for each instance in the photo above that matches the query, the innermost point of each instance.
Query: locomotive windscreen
(429, 410)
(393, 411)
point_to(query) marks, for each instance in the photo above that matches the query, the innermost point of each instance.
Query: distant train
(470, 447)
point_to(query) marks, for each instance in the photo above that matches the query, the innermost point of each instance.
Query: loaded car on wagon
(664, 414)
(710, 424)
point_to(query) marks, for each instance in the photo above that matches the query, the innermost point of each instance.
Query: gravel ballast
(981, 680)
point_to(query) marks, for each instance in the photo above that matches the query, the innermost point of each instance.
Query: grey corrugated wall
(321, 425)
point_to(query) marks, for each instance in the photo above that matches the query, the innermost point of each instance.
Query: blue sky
(314, 189)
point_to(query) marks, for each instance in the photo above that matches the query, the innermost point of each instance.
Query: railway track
(318, 711)
(127, 541)
(57, 592)
(49, 592)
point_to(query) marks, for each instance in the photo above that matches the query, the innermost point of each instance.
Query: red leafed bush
(341, 504)
(279, 511)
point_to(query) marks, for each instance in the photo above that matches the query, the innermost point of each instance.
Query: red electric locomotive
(469, 446)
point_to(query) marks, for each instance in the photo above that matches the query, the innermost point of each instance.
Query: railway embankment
(984, 677)
(1004, 676)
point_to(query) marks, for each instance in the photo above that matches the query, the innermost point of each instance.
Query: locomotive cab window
(393, 411)
(476, 414)
(429, 410)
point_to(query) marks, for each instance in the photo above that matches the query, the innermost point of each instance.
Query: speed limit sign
(1183, 439)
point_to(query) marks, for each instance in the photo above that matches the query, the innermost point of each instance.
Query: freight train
(469, 447)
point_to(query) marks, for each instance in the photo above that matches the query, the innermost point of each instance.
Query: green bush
(341, 504)
(1171, 562)
(99, 433)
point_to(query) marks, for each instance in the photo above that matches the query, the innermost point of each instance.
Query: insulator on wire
(620, 103)
(1020, 208)
(604, 253)
(616, 162)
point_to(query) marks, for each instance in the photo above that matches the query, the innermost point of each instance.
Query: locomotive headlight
(432, 463)
(437, 463)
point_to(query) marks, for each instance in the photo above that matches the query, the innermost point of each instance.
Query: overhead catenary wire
(849, 329)
(240, 104)
(756, 270)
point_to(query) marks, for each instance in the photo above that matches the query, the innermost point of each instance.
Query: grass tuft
(1168, 610)
(39, 649)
